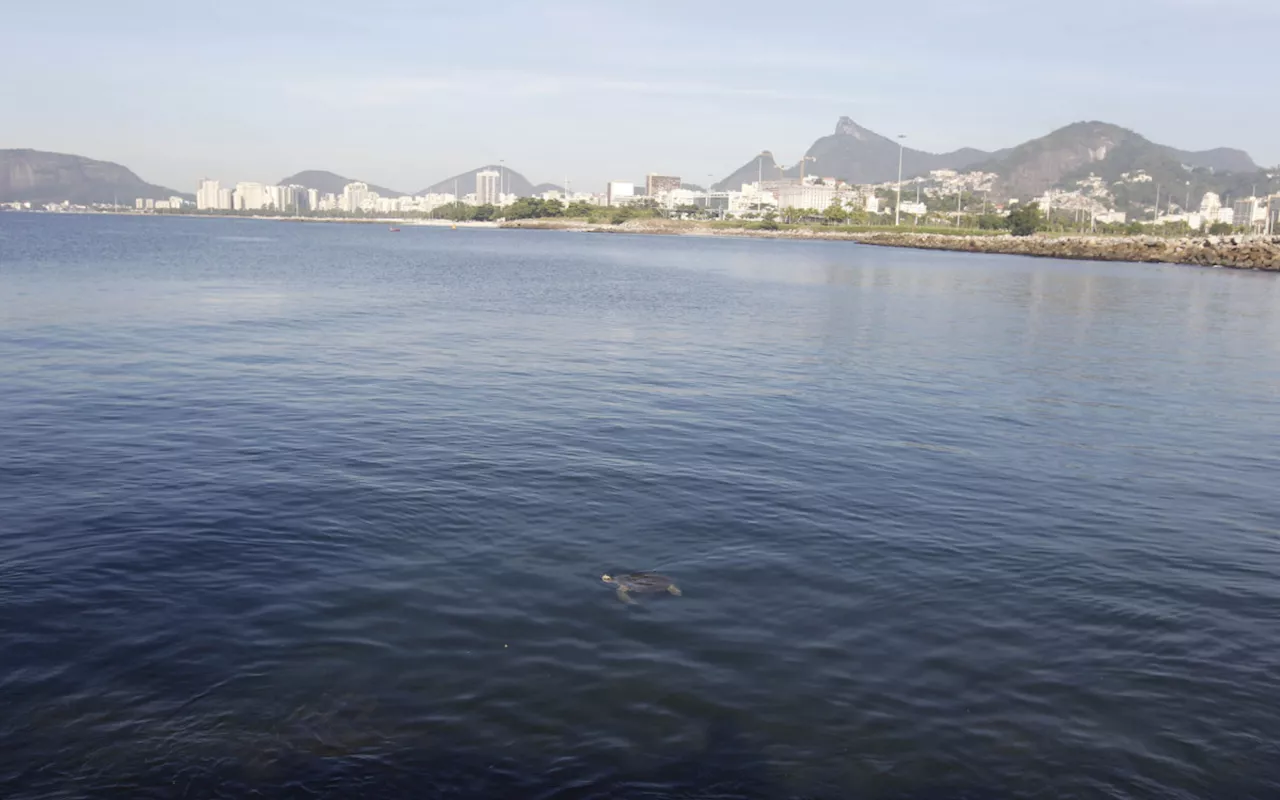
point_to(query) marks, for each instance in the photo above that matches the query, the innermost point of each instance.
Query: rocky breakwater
(1238, 252)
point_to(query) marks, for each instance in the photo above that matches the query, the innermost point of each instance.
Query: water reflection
(326, 515)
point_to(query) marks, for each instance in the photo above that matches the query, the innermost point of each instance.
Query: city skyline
(598, 94)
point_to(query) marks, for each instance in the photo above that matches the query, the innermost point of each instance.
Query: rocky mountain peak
(847, 127)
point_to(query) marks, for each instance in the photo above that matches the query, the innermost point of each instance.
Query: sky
(404, 94)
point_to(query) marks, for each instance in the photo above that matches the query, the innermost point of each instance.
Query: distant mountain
(546, 187)
(1220, 159)
(466, 182)
(762, 166)
(39, 177)
(858, 155)
(1108, 151)
(326, 182)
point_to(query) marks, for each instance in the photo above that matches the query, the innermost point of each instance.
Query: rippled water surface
(321, 511)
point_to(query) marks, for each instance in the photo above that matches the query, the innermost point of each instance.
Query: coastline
(1234, 252)
(398, 221)
(1258, 253)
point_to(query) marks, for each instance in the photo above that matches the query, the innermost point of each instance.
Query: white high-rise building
(619, 191)
(313, 199)
(488, 188)
(224, 199)
(1210, 203)
(251, 196)
(208, 194)
(354, 196)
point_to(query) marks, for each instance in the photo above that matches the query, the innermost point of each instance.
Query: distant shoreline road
(1235, 252)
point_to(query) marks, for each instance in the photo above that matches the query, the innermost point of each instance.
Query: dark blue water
(296, 510)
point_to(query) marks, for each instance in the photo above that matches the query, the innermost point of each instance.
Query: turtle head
(607, 578)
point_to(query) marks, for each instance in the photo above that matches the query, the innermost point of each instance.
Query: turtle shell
(643, 582)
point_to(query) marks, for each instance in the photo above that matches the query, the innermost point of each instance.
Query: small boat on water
(393, 230)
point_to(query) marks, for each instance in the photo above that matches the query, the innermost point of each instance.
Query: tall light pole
(897, 207)
(760, 180)
(502, 179)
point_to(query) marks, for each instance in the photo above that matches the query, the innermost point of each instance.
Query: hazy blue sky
(406, 93)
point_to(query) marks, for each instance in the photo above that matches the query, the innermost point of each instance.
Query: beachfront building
(810, 195)
(209, 196)
(488, 187)
(355, 196)
(250, 196)
(619, 192)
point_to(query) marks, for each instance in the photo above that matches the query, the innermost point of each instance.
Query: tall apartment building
(354, 196)
(488, 187)
(251, 196)
(208, 195)
(655, 185)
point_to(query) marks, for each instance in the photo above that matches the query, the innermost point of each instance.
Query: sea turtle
(640, 583)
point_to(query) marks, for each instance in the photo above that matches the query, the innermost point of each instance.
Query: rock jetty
(1237, 252)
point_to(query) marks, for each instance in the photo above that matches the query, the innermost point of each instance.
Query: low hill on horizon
(38, 176)
(466, 182)
(326, 182)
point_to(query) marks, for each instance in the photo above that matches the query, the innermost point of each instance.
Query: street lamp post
(760, 180)
(897, 207)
